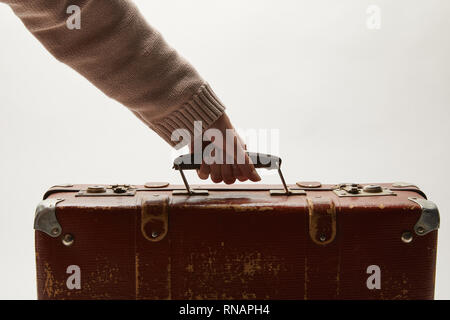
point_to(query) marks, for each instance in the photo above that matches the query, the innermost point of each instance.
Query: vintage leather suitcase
(311, 241)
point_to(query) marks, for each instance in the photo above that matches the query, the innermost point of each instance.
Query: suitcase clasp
(114, 190)
(357, 190)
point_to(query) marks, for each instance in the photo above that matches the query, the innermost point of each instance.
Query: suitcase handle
(260, 160)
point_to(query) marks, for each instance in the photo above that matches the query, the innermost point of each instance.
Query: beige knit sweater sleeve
(124, 57)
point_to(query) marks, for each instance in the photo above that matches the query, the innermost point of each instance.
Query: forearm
(127, 59)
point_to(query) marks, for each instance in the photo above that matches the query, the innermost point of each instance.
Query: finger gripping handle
(259, 160)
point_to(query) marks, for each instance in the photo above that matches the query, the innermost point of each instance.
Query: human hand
(234, 162)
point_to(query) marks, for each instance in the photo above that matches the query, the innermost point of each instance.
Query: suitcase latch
(357, 190)
(105, 191)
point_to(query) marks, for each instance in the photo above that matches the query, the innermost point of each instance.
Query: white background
(352, 105)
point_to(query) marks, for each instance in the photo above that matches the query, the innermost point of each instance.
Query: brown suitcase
(309, 241)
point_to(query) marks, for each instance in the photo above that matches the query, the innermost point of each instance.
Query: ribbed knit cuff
(204, 106)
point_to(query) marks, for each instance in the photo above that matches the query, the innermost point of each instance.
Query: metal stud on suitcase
(302, 241)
